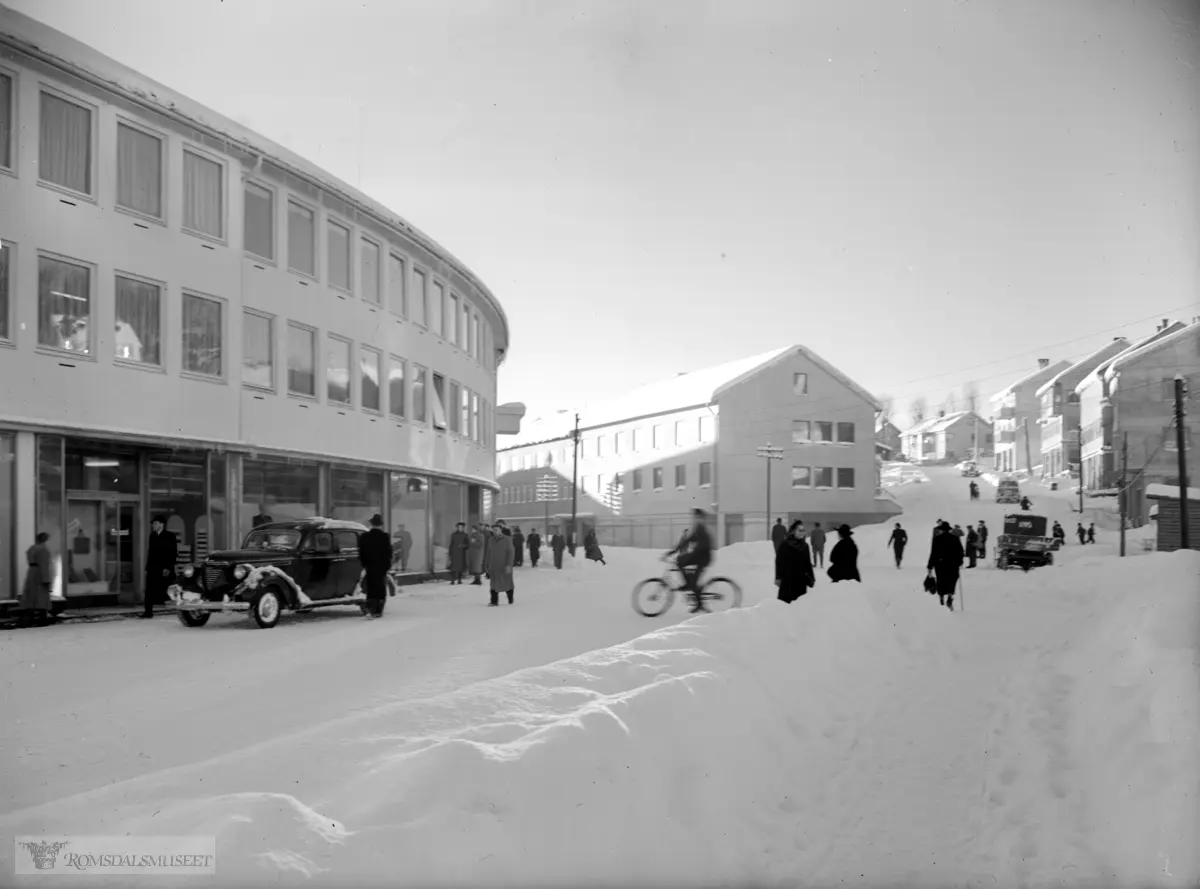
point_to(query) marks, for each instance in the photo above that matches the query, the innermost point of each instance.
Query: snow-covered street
(1045, 735)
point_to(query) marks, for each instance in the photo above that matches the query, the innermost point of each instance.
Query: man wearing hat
(162, 552)
(945, 563)
(459, 544)
(375, 556)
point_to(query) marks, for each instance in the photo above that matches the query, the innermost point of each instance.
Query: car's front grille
(214, 576)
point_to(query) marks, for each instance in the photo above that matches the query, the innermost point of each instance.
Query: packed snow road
(1045, 735)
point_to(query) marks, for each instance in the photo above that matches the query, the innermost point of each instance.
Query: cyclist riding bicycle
(694, 554)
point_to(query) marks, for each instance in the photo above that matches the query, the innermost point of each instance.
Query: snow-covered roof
(1170, 492)
(1103, 354)
(1165, 338)
(1095, 376)
(662, 396)
(34, 38)
(1048, 372)
(813, 358)
(940, 424)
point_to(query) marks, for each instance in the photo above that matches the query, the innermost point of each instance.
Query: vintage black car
(295, 566)
(1024, 543)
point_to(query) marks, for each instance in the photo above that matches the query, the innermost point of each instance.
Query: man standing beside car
(162, 552)
(375, 556)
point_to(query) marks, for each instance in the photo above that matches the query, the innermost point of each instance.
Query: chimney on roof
(1043, 362)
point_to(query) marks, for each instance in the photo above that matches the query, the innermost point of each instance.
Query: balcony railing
(1052, 428)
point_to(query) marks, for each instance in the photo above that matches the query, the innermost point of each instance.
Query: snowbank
(696, 753)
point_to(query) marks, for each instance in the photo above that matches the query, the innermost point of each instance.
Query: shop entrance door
(101, 548)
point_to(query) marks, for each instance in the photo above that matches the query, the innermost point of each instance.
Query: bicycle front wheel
(652, 597)
(721, 593)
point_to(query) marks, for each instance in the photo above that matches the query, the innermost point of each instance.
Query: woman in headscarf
(843, 560)
(793, 565)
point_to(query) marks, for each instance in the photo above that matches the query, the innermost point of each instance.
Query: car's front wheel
(193, 618)
(266, 608)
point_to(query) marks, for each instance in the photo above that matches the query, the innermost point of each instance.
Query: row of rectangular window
(65, 160)
(65, 324)
(604, 489)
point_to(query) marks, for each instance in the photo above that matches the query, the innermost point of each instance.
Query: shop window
(51, 495)
(277, 491)
(355, 494)
(258, 351)
(302, 239)
(369, 364)
(202, 336)
(338, 246)
(139, 321)
(139, 171)
(368, 270)
(448, 505)
(337, 370)
(845, 433)
(396, 386)
(420, 298)
(203, 195)
(93, 466)
(178, 490)
(218, 514)
(65, 148)
(302, 360)
(64, 305)
(397, 293)
(419, 385)
(5, 277)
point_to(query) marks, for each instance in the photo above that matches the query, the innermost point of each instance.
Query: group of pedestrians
(799, 552)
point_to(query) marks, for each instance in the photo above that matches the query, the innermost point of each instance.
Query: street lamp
(769, 453)
(547, 490)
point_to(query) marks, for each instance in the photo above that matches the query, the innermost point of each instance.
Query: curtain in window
(6, 104)
(64, 305)
(139, 322)
(258, 353)
(369, 369)
(5, 333)
(65, 147)
(439, 402)
(397, 297)
(302, 361)
(302, 238)
(396, 387)
(203, 195)
(139, 171)
(337, 371)
(339, 256)
(258, 214)
(369, 270)
(202, 335)
(418, 394)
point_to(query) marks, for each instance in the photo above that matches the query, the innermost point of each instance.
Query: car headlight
(240, 572)
(188, 571)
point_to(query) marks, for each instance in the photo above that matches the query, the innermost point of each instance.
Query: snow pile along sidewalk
(694, 754)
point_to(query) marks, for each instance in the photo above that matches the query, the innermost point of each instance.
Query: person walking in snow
(475, 554)
(972, 546)
(945, 563)
(1081, 533)
(843, 559)
(1026, 504)
(793, 565)
(375, 556)
(1091, 534)
(459, 544)
(778, 534)
(557, 544)
(534, 542)
(897, 542)
(518, 542)
(500, 565)
(162, 554)
(816, 540)
(39, 582)
(1059, 535)
(983, 536)
(974, 491)
(591, 549)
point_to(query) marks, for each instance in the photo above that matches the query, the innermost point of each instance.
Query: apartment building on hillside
(949, 438)
(1016, 410)
(1059, 420)
(887, 437)
(648, 458)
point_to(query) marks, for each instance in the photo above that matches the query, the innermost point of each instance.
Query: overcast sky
(923, 193)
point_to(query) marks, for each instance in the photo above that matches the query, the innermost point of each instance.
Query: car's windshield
(279, 539)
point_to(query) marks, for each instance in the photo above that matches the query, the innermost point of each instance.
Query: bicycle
(660, 592)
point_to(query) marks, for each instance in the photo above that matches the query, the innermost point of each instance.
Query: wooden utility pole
(574, 486)
(1124, 486)
(1079, 433)
(769, 453)
(1028, 449)
(1181, 446)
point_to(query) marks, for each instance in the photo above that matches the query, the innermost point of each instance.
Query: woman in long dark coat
(843, 560)
(475, 555)
(793, 565)
(39, 579)
(500, 564)
(591, 548)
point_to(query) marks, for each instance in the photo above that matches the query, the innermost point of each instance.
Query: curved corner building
(194, 322)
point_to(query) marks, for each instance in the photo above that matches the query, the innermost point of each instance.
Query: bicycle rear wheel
(653, 597)
(721, 593)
